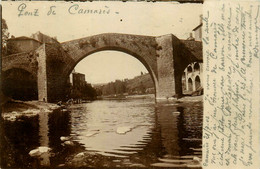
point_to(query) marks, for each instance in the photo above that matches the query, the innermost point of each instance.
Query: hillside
(142, 84)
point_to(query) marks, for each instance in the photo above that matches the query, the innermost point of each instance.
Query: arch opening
(139, 81)
(191, 82)
(19, 84)
(189, 69)
(190, 85)
(197, 83)
(196, 67)
(183, 82)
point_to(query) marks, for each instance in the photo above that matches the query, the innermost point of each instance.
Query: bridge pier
(165, 67)
(42, 74)
(168, 65)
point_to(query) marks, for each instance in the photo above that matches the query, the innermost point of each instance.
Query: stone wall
(56, 62)
(43, 38)
(42, 75)
(165, 65)
(19, 45)
(26, 61)
(165, 58)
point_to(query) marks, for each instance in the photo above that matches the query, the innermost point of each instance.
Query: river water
(107, 133)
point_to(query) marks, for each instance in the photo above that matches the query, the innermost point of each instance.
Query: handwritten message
(231, 32)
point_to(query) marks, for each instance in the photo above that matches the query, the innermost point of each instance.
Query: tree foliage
(5, 36)
(86, 92)
(139, 85)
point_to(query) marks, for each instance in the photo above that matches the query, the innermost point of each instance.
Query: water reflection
(44, 138)
(128, 133)
(112, 127)
(181, 130)
(17, 139)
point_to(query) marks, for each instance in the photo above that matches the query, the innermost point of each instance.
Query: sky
(141, 18)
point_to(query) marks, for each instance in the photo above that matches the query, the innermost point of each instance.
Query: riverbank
(187, 98)
(13, 109)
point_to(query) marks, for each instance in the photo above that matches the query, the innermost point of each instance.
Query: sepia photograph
(101, 85)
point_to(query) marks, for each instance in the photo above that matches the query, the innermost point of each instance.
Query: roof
(200, 25)
(23, 38)
(76, 73)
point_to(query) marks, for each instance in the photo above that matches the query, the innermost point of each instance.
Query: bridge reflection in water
(128, 133)
(44, 138)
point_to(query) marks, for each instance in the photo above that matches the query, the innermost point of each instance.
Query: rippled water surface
(107, 133)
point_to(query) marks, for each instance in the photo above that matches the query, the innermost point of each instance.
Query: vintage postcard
(129, 85)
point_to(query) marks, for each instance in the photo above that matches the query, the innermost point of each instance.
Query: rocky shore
(14, 109)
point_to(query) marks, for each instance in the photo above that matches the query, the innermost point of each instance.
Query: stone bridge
(165, 58)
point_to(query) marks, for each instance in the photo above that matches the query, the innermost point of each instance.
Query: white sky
(141, 18)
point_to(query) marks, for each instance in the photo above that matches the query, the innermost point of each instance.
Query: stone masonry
(165, 58)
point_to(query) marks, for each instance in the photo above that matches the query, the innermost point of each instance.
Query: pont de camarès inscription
(231, 114)
(25, 10)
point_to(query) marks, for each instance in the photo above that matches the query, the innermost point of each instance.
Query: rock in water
(39, 151)
(123, 130)
(176, 113)
(62, 138)
(196, 160)
(34, 153)
(80, 155)
(69, 143)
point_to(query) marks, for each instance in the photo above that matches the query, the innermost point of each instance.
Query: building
(192, 77)
(28, 44)
(198, 32)
(21, 44)
(78, 80)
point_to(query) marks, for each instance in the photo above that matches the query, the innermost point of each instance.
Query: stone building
(198, 32)
(19, 83)
(192, 78)
(22, 44)
(78, 80)
(28, 44)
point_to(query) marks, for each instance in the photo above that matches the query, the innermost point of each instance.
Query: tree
(119, 87)
(5, 36)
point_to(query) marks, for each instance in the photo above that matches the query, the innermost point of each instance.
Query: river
(107, 133)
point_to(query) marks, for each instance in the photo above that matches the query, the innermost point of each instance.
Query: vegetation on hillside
(142, 84)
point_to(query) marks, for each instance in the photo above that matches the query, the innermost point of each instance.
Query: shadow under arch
(116, 49)
(196, 66)
(197, 82)
(19, 84)
(190, 85)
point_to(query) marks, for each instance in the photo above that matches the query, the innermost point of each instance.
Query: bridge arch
(125, 51)
(143, 48)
